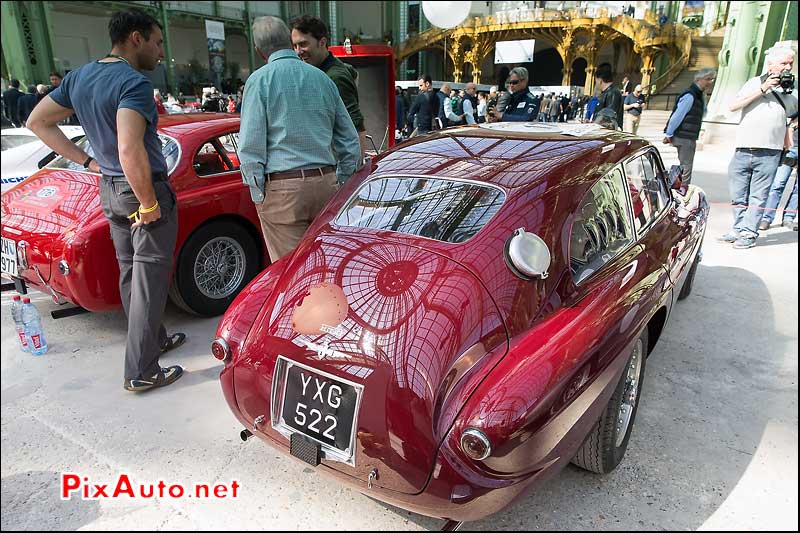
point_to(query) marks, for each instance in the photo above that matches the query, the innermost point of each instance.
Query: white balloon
(446, 14)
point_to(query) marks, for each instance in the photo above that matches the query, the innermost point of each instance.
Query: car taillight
(220, 350)
(475, 444)
(22, 255)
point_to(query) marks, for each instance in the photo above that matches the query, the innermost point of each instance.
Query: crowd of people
(436, 109)
(18, 105)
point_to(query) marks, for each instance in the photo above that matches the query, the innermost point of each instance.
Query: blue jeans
(775, 193)
(750, 176)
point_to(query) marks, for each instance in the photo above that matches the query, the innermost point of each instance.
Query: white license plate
(8, 260)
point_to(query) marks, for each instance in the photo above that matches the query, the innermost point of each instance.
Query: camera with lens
(786, 81)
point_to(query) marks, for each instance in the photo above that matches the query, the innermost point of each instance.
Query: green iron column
(164, 15)
(333, 22)
(402, 36)
(738, 62)
(248, 31)
(26, 41)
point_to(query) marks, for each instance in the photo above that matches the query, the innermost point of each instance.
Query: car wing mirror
(675, 177)
(46, 160)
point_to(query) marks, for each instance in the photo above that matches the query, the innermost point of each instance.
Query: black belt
(757, 150)
(157, 176)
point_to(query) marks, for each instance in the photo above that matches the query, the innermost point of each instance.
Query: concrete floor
(714, 447)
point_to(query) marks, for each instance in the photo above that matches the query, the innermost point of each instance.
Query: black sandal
(173, 341)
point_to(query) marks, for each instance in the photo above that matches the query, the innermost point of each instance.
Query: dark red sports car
(56, 239)
(471, 312)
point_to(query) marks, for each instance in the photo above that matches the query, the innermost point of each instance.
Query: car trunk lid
(46, 209)
(389, 318)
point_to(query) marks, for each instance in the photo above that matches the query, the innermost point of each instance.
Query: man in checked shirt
(292, 115)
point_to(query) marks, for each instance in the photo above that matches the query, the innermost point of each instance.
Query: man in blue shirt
(683, 126)
(114, 102)
(292, 115)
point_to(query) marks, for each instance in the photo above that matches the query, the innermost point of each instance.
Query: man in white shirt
(760, 139)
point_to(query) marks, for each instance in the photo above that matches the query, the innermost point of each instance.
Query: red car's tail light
(475, 444)
(22, 255)
(221, 350)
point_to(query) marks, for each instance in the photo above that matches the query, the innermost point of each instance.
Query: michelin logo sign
(13, 181)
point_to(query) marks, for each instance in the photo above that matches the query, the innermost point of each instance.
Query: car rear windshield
(12, 141)
(169, 147)
(441, 209)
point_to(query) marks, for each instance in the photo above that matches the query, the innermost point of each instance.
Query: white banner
(215, 29)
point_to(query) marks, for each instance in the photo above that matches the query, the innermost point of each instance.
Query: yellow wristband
(142, 210)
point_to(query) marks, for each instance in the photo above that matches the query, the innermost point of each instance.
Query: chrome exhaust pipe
(245, 434)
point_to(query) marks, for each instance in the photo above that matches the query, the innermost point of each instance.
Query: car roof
(510, 154)
(180, 124)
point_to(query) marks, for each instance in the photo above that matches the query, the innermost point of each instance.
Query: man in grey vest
(683, 126)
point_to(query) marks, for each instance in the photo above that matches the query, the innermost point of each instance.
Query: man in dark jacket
(26, 103)
(425, 105)
(310, 40)
(521, 105)
(610, 97)
(10, 100)
(683, 126)
(399, 109)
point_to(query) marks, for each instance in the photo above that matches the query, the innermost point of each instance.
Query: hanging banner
(215, 34)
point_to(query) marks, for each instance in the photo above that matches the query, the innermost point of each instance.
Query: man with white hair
(760, 139)
(292, 115)
(683, 126)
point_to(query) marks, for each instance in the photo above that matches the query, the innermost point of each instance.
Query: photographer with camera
(766, 103)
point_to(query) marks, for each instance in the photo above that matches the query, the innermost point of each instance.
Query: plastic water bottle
(33, 328)
(16, 314)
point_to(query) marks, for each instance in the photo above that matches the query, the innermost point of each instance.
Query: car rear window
(12, 141)
(169, 147)
(441, 209)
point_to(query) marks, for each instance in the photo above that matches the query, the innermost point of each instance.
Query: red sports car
(56, 239)
(471, 312)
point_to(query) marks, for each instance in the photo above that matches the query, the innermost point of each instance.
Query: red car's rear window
(441, 209)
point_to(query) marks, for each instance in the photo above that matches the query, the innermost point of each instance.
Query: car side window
(216, 156)
(647, 197)
(601, 228)
(655, 170)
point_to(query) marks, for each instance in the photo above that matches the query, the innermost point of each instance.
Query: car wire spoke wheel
(219, 267)
(605, 445)
(631, 392)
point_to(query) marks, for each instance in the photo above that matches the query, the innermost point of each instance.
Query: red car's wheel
(605, 445)
(215, 263)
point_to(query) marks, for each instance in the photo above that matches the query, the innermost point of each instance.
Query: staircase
(704, 55)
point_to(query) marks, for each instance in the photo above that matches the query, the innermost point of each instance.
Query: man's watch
(88, 162)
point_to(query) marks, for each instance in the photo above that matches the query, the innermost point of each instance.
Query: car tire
(605, 445)
(216, 262)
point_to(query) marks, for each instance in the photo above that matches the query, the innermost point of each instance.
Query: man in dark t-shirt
(633, 106)
(114, 102)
